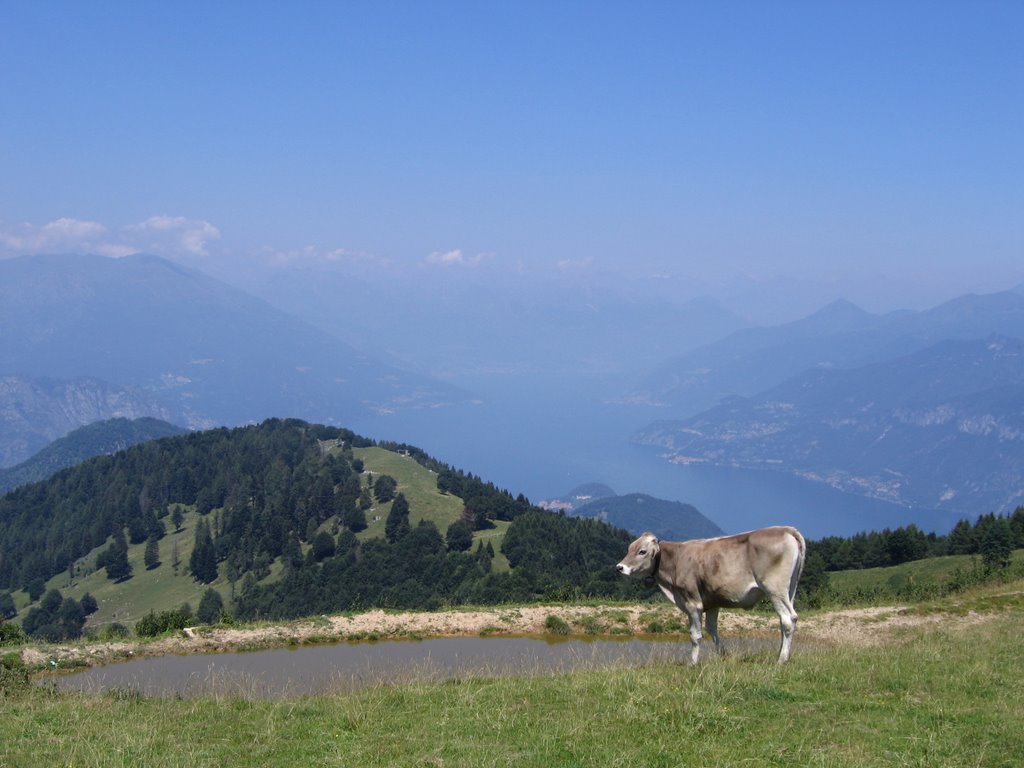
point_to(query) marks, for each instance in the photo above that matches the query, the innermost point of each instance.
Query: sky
(870, 149)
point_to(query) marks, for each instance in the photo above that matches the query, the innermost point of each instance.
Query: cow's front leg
(711, 622)
(694, 611)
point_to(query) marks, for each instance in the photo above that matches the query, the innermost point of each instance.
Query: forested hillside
(98, 438)
(286, 515)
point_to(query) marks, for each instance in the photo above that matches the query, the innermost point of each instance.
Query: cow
(703, 575)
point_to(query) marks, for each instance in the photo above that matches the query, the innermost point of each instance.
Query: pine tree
(459, 537)
(116, 559)
(355, 519)
(210, 607)
(203, 562)
(397, 524)
(997, 544)
(152, 556)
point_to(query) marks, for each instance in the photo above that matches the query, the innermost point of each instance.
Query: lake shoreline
(848, 627)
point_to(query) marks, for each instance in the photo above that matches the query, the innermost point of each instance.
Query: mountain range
(143, 336)
(840, 335)
(941, 428)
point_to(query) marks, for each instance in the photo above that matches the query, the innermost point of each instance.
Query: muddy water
(311, 670)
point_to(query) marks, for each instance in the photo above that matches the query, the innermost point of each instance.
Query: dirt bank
(859, 627)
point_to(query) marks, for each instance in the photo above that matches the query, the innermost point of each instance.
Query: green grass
(158, 589)
(941, 697)
(161, 589)
(934, 570)
(419, 485)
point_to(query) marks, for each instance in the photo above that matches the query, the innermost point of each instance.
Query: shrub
(13, 674)
(153, 624)
(115, 631)
(11, 634)
(556, 626)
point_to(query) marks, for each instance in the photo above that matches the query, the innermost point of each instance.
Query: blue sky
(840, 142)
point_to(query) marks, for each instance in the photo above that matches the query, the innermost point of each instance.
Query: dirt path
(853, 627)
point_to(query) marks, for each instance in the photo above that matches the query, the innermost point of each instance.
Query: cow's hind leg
(787, 623)
(711, 622)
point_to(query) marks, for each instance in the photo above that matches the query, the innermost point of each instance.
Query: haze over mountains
(87, 338)
(96, 439)
(941, 427)
(537, 386)
(486, 324)
(839, 335)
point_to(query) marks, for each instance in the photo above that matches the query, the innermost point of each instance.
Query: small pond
(307, 670)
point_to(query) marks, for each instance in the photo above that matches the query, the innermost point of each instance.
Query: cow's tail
(798, 567)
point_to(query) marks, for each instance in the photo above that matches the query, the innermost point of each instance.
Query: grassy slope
(936, 696)
(932, 570)
(419, 485)
(160, 589)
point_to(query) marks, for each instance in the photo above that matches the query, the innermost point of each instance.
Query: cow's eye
(642, 552)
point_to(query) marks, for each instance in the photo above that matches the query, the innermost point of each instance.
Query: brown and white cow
(703, 575)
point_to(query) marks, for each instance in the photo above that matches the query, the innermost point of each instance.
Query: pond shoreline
(860, 627)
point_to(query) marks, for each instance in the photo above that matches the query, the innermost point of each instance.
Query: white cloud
(359, 261)
(58, 235)
(169, 234)
(162, 235)
(456, 258)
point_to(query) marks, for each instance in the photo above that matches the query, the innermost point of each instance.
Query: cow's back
(732, 570)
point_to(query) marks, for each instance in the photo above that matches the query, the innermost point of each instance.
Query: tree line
(991, 536)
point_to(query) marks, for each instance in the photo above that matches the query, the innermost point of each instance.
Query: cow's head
(641, 560)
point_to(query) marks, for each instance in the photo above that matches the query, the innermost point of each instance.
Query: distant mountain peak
(839, 316)
(639, 512)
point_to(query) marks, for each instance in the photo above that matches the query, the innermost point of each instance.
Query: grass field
(419, 485)
(932, 571)
(158, 589)
(928, 697)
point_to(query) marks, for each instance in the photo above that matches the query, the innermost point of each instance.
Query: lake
(543, 436)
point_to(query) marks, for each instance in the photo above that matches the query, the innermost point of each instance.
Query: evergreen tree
(354, 519)
(997, 544)
(459, 537)
(210, 607)
(384, 488)
(292, 552)
(89, 604)
(203, 561)
(397, 524)
(35, 588)
(323, 546)
(1017, 527)
(71, 618)
(115, 559)
(177, 517)
(7, 608)
(311, 529)
(961, 540)
(152, 555)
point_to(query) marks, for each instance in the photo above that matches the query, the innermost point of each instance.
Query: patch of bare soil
(851, 627)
